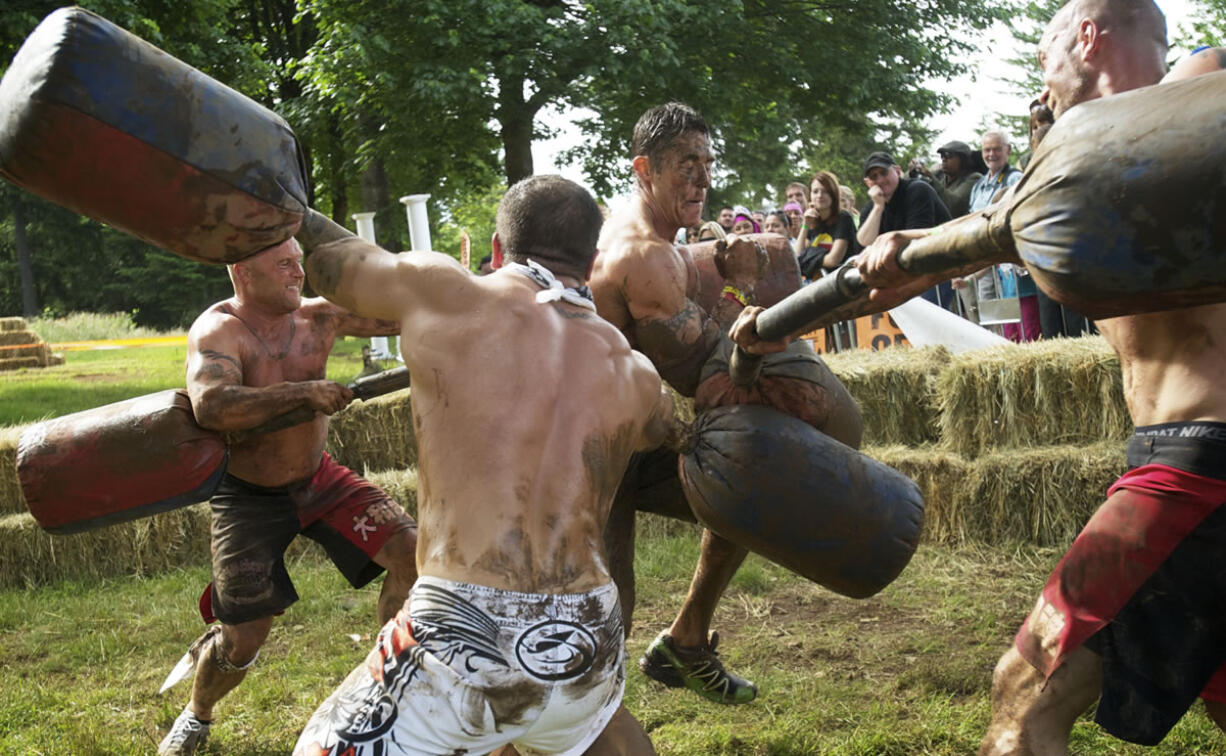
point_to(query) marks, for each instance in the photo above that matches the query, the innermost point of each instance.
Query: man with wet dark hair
(658, 128)
(647, 287)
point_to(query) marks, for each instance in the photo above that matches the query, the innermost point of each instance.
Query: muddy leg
(223, 663)
(399, 557)
(717, 563)
(1031, 718)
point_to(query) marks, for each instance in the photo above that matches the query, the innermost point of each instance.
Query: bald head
(1095, 48)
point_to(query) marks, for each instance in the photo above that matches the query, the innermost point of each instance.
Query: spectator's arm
(870, 225)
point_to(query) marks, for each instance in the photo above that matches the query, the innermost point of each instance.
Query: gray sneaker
(186, 735)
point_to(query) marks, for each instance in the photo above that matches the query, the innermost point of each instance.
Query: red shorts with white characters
(1143, 587)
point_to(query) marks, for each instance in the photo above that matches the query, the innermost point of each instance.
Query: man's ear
(1089, 39)
(642, 168)
(591, 266)
(496, 252)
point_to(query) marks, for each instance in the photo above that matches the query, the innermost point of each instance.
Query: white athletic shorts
(468, 669)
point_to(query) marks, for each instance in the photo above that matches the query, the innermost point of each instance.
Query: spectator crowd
(827, 228)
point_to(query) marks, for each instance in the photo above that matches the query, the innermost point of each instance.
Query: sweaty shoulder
(218, 317)
(1203, 61)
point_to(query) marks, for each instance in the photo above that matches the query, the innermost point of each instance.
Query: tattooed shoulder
(219, 365)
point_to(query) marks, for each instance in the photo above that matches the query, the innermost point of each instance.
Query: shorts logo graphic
(556, 650)
(362, 526)
(370, 722)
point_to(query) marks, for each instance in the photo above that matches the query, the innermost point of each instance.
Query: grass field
(91, 378)
(905, 672)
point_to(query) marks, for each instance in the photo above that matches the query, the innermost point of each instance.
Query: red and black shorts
(1144, 586)
(254, 525)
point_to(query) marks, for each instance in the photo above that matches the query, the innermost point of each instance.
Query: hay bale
(16, 363)
(11, 500)
(13, 337)
(1046, 393)
(1042, 496)
(942, 478)
(895, 389)
(376, 434)
(30, 556)
(12, 324)
(401, 485)
(39, 352)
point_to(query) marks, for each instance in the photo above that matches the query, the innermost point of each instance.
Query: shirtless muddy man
(512, 635)
(647, 287)
(1132, 615)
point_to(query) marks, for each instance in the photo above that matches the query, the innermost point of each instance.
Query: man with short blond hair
(251, 358)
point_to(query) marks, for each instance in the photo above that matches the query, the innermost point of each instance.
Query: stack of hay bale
(375, 436)
(20, 347)
(1016, 443)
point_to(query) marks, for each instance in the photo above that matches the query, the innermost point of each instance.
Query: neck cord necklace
(288, 341)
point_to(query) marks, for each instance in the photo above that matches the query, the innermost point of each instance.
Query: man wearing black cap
(899, 204)
(955, 179)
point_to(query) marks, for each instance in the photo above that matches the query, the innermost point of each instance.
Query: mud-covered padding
(118, 462)
(101, 122)
(1123, 207)
(782, 489)
(781, 277)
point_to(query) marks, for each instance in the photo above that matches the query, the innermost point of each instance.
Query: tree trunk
(336, 173)
(515, 117)
(29, 295)
(376, 197)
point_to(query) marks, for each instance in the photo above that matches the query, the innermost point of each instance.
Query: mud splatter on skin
(679, 345)
(509, 556)
(325, 267)
(598, 453)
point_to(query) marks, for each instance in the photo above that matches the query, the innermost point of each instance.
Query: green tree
(1206, 29)
(771, 77)
(78, 264)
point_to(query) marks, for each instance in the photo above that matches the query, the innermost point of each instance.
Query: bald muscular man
(1131, 617)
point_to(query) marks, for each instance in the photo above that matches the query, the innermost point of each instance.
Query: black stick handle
(363, 388)
(794, 313)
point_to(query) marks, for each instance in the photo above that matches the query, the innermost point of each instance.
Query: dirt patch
(99, 378)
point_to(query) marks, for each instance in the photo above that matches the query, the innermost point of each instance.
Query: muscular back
(525, 413)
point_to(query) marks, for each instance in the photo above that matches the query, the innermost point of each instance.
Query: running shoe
(698, 669)
(186, 735)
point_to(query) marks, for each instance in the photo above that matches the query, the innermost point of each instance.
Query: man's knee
(716, 547)
(1034, 714)
(236, 647)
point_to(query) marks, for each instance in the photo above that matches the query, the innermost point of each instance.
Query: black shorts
(1144, 587)
(254, 525)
